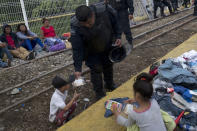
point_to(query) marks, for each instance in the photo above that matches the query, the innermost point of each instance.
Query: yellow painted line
(93, 118)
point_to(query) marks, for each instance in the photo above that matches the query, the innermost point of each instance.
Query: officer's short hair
(83, 13)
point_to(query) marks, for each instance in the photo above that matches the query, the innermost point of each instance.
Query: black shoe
(100, 95)
(45, 49)
(155, 17)
(110, 87)
(30, 56)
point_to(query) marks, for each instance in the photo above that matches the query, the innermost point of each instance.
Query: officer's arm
(77, 45)
(130, 5)
(114, 20)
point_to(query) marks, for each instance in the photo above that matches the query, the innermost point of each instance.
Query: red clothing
(48, 32)
(10, 41)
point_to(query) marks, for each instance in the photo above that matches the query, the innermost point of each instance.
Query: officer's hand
(130, 17)
(118, 42)
(77, 74)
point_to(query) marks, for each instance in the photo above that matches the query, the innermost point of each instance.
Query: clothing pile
(180, 75)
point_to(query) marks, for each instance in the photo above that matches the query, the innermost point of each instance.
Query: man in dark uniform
(195, 7)
(94, 30)
(125, 12)
(158, 3)
(167, 3)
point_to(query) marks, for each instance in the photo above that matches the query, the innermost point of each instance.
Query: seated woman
(27, 38)
(11, 40)
(146, 114)
(4, 51)
(50, 39)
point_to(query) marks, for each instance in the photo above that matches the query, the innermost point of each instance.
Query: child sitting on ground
(146, 115)
(59, 110)
(50, 39)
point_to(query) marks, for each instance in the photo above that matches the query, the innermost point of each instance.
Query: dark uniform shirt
(120, 5)
(87, 43)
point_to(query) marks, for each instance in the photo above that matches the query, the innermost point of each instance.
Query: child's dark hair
(19, 30)
(144, 86)
(44, 20)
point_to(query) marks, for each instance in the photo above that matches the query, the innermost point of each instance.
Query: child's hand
(129, 101)
(76, 96)
(115, 112)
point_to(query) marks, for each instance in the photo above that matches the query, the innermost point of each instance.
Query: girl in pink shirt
(50, 39)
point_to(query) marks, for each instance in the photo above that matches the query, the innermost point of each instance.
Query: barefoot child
(146, 115)
(59, 110)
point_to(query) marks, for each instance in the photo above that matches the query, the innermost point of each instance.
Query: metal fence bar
(24, 13)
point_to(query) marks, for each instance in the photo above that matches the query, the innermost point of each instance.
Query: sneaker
(30, 56)
(45, 49)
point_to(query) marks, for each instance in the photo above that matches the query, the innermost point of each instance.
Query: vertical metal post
(87, 2)
(24, 13)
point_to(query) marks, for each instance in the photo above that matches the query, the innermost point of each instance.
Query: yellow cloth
(169, 123)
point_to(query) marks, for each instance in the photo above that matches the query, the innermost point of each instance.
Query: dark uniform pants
(166, 3)
(156, 5)
(174, 4)
(185, 3)
(97, 73)
(195, 7)
(123, 17)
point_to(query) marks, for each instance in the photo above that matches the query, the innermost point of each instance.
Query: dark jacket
(92, 42)
(120, 5)
(14, 37)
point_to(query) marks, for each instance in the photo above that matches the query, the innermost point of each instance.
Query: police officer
(195, 7)
(167, 3)
(125, 12)
(158, 3)
(93, 31)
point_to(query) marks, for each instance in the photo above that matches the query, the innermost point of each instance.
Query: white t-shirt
(57, 102)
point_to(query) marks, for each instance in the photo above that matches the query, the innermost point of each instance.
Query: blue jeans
(30, 44)
(7, 52)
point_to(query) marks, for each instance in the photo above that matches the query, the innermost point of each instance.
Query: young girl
(146, 115)
(50, 38)
(27, 38)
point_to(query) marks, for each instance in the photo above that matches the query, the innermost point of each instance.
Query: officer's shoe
(100, 95)
(155, 17)
(110, 88)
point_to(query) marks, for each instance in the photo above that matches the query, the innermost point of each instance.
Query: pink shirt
(10, 41)
(48, 32)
